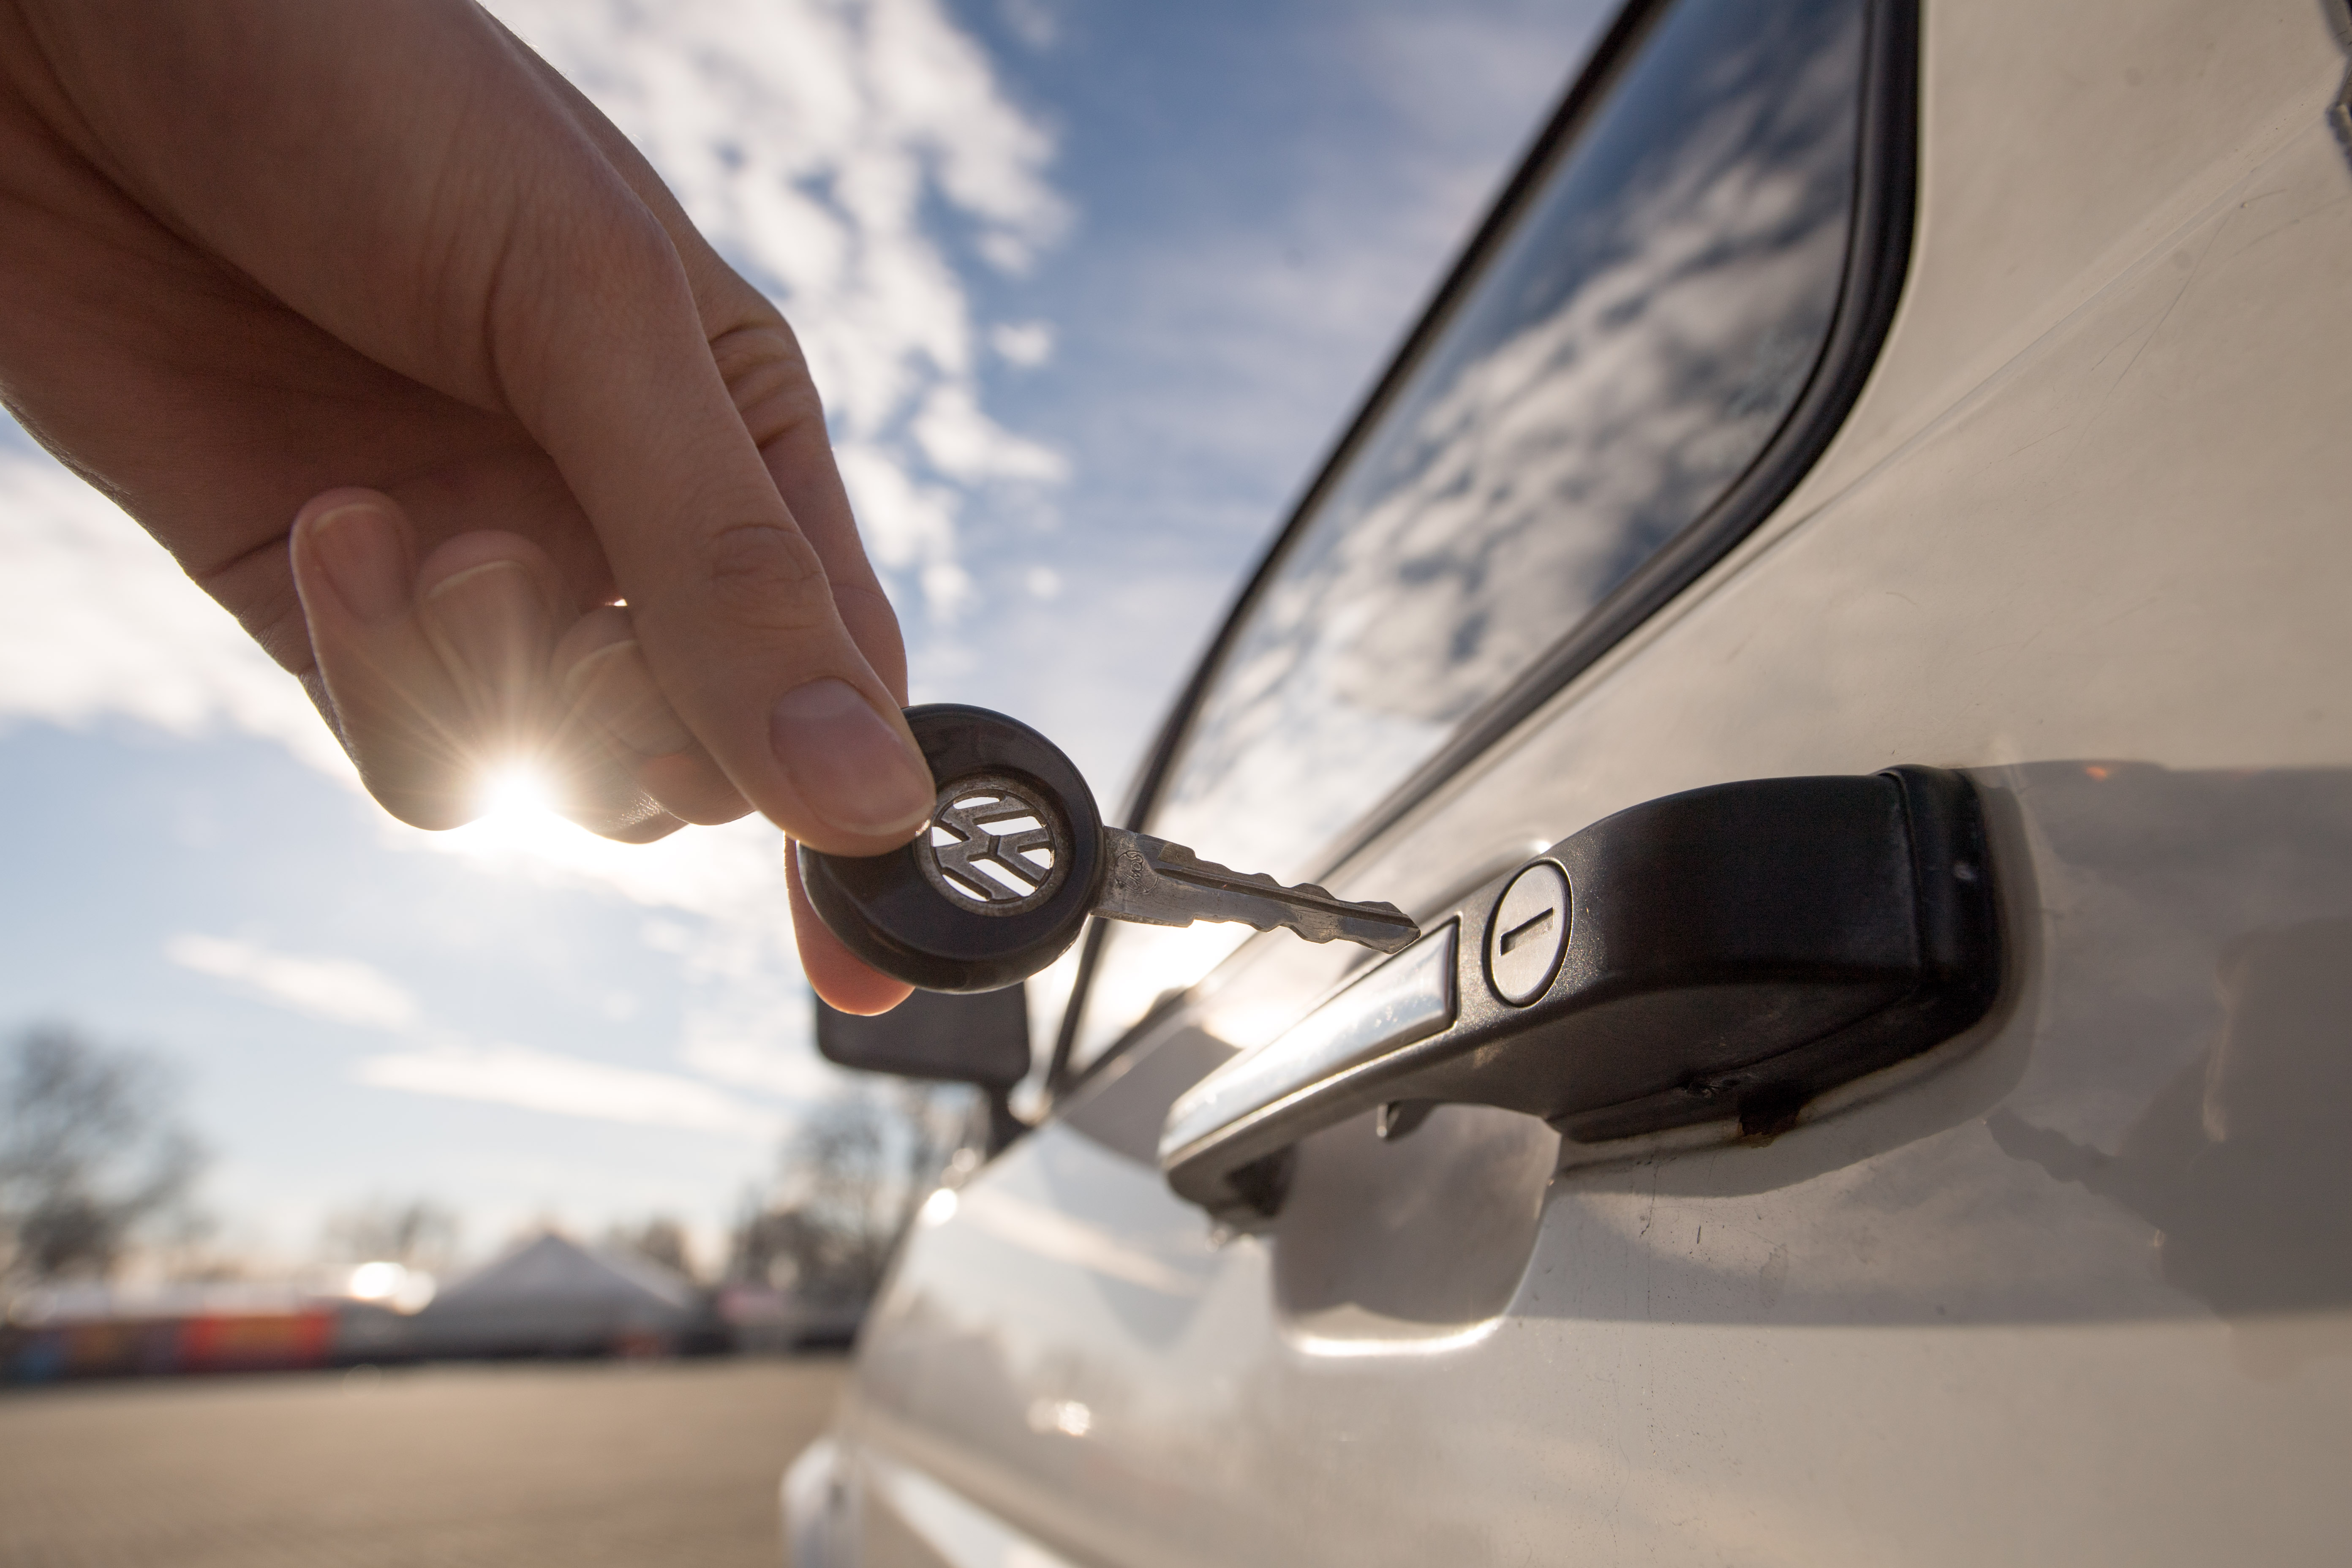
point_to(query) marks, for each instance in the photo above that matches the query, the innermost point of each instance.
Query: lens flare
(518, 791)
(518, 818)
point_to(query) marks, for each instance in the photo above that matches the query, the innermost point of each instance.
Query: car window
(1625, 352)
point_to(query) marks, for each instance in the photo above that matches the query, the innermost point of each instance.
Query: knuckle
(604, 222)
(769, 381)
(638, 248)
(691, 788)
(765, 575)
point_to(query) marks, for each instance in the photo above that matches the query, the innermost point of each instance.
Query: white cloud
(567, 1086)
(808, 139)
(95, 620)
(911, 526)
(339, 990)
(748, 1028)
(746, 1018)
(963, 443)
(746, 1013)
(758, 1063)
(1025, 343)
(750, 1021)
(733, 874)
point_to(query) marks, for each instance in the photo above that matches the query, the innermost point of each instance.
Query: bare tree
(660, 1238)
(91, 1156)
(850, 1177)
(416, 1234)
(835, 1175)
(938, 1120)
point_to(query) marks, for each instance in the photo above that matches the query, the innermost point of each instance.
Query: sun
(518, 793)
(520, 825)
(517, 814)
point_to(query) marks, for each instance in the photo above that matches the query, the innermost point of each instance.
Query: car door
(1840, 385)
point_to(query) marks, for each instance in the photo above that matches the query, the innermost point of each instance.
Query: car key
(1154, 882)
(1015, 857)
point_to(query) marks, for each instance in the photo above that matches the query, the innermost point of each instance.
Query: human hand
(416, 367)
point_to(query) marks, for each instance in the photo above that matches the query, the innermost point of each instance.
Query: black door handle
(1731, 953)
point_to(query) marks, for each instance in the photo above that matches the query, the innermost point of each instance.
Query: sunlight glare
(518, 790)
(392, 1285)
(520, 818)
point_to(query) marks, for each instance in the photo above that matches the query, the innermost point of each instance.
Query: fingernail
(360, 550)
(491, 620)
(613, 687)
(850, 766)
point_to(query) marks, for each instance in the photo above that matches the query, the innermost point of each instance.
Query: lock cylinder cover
(1527, 934)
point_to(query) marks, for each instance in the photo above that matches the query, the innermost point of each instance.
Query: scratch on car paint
(2189, 264)
(1773, 1276)
(2061, 430)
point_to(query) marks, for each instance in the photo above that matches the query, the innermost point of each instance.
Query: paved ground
(673, 1464)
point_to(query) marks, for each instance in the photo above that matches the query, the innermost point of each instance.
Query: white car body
(2076, 1288)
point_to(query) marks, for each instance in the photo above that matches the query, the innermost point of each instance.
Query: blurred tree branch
(91, 1154)
(850, 1177)
(417, 1234)
(659, 1238)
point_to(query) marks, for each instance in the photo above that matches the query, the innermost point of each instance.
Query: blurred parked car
(1842, 384)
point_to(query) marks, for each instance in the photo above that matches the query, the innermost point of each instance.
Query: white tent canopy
(551, 1295)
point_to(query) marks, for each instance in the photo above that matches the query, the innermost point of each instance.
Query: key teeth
(1306, 927)
(1381, 940)
(1367, 911)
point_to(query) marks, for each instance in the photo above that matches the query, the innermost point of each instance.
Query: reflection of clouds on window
(1627, 354)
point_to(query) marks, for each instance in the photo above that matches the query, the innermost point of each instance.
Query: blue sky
(1088, 288)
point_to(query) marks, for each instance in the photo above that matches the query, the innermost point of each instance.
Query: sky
(1088, 288)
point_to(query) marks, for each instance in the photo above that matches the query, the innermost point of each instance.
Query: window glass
(1628, 350)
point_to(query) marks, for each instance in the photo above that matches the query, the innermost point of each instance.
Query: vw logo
(996, 846)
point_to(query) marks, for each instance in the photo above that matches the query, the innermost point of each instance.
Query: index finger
(768, 377)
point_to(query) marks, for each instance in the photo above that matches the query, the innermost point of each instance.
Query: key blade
(1155, 883)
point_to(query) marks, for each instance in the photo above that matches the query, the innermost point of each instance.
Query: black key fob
(997, 886)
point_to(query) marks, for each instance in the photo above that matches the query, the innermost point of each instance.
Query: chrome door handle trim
(1219, 1124)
